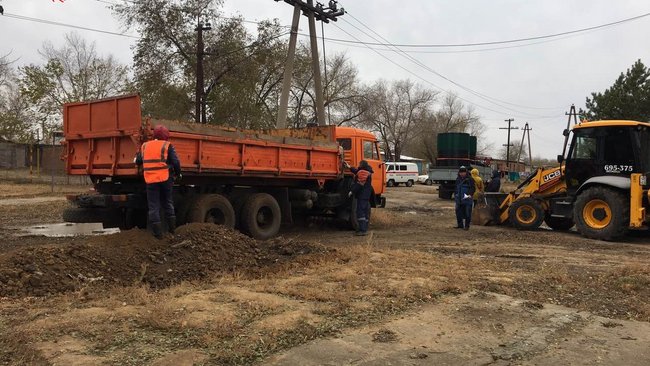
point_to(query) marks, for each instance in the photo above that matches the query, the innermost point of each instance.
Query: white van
(399, 172)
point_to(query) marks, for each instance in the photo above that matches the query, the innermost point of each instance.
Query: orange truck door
(371, 155)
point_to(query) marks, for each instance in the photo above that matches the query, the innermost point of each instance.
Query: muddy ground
(415, 292)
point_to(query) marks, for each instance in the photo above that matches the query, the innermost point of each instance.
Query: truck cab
(360, 145)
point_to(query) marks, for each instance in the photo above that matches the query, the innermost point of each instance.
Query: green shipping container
(454, 145)
(472, 147)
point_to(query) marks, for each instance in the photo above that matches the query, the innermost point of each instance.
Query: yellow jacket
(478, 184)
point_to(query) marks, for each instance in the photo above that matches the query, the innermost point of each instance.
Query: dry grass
(26, 190)
(385, 219)
(237, 319)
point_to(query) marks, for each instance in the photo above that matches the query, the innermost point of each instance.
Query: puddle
(66, 230)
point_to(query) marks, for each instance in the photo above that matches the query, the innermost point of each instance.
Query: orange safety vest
(154, 161)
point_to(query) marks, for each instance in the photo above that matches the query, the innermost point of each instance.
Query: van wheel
(409, 183)
(261, 216)
(602, 213)
(390, 183)
(212, 208)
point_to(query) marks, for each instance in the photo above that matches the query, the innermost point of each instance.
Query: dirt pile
(196, 251)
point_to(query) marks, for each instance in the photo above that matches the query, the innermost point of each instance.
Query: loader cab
(606, 148)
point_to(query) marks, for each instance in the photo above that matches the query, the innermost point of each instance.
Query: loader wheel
(559, 223)
(602, 213)
(261, 216)
(212, 208)
(526, 214)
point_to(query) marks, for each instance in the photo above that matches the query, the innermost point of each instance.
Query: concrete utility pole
(315, 65)
(313, 13)
(281, 122)
(509, 128)
(200, 113)
(527, 130)
(572, 115)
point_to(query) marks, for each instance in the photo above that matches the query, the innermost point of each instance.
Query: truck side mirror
(565, 132)
(560, 158)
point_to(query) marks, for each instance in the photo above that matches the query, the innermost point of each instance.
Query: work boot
(157, 230)
(171, 224)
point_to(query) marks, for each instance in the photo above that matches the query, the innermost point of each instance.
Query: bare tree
(71, 73)
(451, 116)
(344, 99)
(14, 118)
(396, 110)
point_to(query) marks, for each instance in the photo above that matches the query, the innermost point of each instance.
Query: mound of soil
(196, 251)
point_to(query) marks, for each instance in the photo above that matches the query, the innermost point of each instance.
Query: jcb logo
(550, 176)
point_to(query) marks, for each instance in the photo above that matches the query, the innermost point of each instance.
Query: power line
(417, 75)
(49, 22)
(422, 65)
(427, 68)
(618, 22)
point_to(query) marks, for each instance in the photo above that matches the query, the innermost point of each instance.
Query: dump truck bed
(102, 138)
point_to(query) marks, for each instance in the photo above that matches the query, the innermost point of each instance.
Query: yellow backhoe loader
(600, 186)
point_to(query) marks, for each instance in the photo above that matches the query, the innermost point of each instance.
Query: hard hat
(161, 133)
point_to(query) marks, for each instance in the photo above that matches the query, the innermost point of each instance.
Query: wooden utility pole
(313, 13)
(509, 128)
(200, 113)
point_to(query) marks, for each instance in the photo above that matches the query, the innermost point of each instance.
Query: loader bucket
(486, 211)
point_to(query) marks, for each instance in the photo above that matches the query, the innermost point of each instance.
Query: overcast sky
(549, 74)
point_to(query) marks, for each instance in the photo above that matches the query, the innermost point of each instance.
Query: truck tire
(390, 183)
(428, 182)
(559, 223)
(261, 216)
(109, 218)
(526, 214)
(212, 208)
(602, 213)
(444, 194)
(409, 183)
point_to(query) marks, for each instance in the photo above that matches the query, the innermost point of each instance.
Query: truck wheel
(428, 182)
(444, 194)
(109, 218)
(212, 208)
(390, 183)
(559, 223)
(526, 214)
(602, 213)
(409, 183)
(261, 216)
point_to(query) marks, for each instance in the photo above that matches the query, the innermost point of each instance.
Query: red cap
(161, 133)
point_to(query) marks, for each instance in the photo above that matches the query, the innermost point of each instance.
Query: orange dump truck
(254, 180)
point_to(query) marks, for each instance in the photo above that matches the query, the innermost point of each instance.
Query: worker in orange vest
(158, 160)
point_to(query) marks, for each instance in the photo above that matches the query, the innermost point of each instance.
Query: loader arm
(540, 185)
